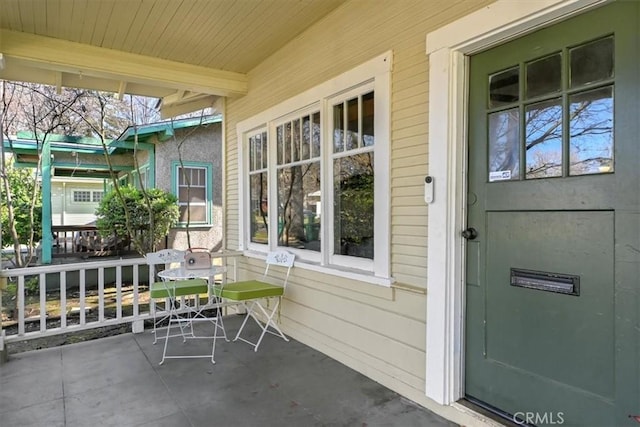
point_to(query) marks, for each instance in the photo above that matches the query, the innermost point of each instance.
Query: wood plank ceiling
(187, 52)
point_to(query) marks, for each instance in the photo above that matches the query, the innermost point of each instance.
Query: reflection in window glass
(591, 132)
(591, 62)
(543, 139)
(544, 76)
(299, 206)
(338, 128)
(368, 135)
(258, 194)
(504, 87)
(353, 121)
(504, 145)
(353, 205)
(306, 137)
(259, 205)
(315, 135)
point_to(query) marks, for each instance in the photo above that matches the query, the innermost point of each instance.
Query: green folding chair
(251, 294)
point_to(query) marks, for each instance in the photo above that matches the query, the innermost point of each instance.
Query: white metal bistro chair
(251, 293)
(180, 290)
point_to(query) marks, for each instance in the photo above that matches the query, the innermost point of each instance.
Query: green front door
(553, 249)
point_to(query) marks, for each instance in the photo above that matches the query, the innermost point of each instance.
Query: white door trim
(447, 49)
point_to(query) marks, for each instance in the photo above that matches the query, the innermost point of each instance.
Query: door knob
(470, 233)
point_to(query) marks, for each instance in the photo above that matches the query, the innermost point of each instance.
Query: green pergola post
(47, 236)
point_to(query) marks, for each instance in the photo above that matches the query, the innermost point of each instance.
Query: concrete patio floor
(116, 381)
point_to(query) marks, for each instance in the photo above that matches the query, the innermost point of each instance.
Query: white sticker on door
(499, 176)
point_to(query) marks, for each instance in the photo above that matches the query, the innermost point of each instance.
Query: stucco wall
(376, 330)
(203, 144)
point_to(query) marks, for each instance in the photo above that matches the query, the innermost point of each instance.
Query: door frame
(447, 49)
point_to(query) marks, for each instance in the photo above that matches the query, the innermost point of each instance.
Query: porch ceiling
(187, 52)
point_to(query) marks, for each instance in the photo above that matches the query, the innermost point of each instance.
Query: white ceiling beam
(122, 87)
(70, 57)
(172, 110)
(58, 77)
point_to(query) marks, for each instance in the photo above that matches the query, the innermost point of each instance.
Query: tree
(129, 214)
(22, 185)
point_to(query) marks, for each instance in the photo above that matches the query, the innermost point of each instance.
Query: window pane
(259, 205)
(299, 206)
(543, 139)
(198, 213)
(338, 128)
(544, 76)
(287, 143)
(504, 145)
(263, 146)
(591, 132)
(306, 137)
(368, 134)
(295, 141)
(315, 136)
(193, 195)
(503, 87)
(353, 120)
(353, 205)
(252, 154)
(591, 62)
(280, 143)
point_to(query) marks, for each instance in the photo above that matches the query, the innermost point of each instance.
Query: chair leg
(265, 327)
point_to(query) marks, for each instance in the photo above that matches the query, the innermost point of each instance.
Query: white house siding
(376, 330)
(200, 145)
(64, 211)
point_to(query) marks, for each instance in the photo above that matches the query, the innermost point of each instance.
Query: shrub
(149, 218)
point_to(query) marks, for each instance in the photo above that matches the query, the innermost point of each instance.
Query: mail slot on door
(568, 284)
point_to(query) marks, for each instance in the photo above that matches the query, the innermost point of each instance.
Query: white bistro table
(194, 313)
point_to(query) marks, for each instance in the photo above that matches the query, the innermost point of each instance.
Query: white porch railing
(62, 298)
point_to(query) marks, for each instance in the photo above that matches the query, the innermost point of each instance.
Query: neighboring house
(514, 284)
(79, 176)
(74, 200)
(173, 156)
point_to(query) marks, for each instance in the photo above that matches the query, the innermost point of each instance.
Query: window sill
(333, 270)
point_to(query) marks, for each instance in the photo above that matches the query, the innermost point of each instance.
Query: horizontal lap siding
(376, 330)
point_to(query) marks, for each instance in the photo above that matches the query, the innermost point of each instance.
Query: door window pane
(353, 205)
(544, 76)
(504, 145)
(591, 62)
(504, 87)
(543, 139)
(591, 132)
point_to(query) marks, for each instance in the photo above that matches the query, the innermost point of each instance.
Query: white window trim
(446, 48)
(376, 71)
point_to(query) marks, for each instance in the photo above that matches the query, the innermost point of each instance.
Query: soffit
(185, 51)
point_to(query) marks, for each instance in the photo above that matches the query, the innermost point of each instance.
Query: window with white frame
(191, 185)
(97, 196)
(309, 176)
(81, 196)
